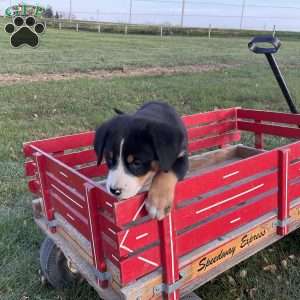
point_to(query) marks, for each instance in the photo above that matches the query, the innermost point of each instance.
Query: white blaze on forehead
(119, 178)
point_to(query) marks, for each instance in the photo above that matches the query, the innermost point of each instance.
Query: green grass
(46, 109)
(84, 51)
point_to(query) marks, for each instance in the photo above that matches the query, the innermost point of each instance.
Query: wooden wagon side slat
(78, 157)
(130, 241)
(77, 181)
(294, 151)
(93, 170)
(225, 175)
(207, 117)
(208, 206)
(67, 194)
(276, 130)
(137, 237)
(82, 162)
(35, 186)
(218, 140)
(66, 176)
(210, 231)
(135, 266)
(72, 215)
(109, 227)
(127, 210)
(294, 191)
(59, 144)
(294, 170)
(211, 129)
(30, 168)
(269, 116)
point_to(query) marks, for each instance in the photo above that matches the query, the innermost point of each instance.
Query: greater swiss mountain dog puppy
(146, 147)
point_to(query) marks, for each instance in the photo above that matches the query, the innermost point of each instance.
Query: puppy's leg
(161, 194)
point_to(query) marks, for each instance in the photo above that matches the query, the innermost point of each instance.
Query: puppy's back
(161, 112)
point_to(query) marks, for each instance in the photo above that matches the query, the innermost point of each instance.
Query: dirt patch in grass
(10, 79)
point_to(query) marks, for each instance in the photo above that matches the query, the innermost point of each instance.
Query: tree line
(48, 13)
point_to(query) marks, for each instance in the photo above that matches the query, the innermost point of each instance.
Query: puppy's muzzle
(115, 191)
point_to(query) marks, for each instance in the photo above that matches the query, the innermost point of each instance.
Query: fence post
(126, 29)
(99, 28)
(161, 31)
(274, 30)
(59, 25)
(77, 27)
(209, 31)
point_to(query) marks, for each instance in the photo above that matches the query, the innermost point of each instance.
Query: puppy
(146, 147)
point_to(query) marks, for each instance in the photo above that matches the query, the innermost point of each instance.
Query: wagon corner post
(40, 161)
(169, 258)
(283, 204)
(101, 274)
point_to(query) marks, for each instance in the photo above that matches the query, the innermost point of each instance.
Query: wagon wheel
(55, 267)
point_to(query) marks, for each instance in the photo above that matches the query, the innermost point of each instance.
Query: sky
(284, 14)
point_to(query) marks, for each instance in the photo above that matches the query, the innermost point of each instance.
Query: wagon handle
(253, 46)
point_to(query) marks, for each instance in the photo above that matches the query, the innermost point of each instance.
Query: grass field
(67, 50)
(45, 109)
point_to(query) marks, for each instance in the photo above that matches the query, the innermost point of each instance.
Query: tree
(48, 12)
(56, 15)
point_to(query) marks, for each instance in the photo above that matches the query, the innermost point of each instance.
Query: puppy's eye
(136, 163)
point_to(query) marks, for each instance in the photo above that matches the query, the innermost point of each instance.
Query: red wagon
(234, 201)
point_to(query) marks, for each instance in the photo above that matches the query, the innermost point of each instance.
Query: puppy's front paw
(158, 207)
(161, 195)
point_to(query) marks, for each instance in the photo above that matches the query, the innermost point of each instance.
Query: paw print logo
(24, 31)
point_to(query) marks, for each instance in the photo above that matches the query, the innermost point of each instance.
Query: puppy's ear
(167, 141)
(99, 141)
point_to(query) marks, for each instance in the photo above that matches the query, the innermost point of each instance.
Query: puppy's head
(134, 150)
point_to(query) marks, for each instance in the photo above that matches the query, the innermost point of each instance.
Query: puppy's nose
(116, 191)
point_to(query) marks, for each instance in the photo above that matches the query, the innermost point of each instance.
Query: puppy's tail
(119, 112)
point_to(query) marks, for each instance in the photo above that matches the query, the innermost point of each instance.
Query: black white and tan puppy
(146, 147)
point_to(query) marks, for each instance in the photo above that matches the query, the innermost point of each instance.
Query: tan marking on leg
(161, 194)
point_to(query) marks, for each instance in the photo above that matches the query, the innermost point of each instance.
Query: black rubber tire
(54, 266)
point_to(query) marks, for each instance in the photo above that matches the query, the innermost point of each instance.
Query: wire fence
(162, 30)
(192, 14)
(198, 14)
